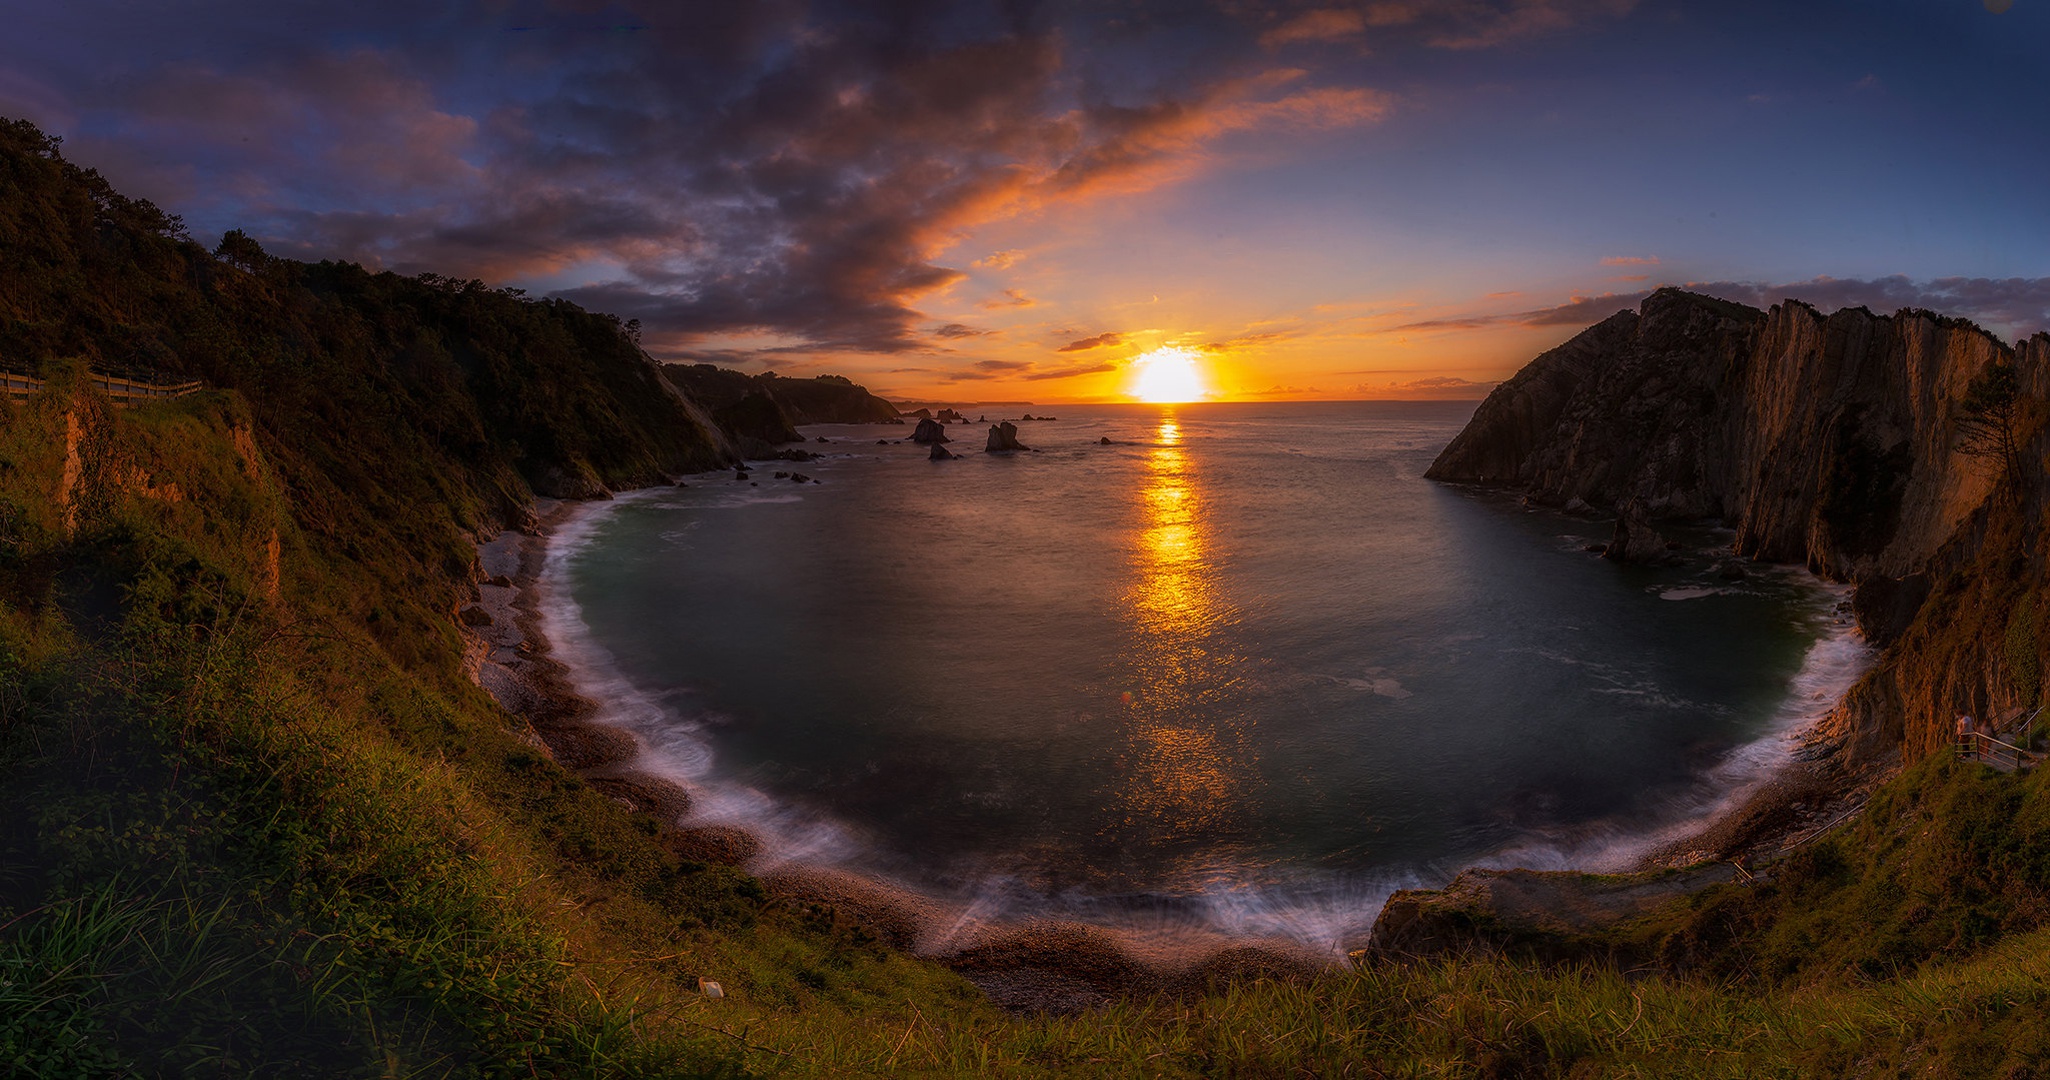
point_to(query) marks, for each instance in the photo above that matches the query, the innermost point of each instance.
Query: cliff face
(1829, 441)
(1820, 440)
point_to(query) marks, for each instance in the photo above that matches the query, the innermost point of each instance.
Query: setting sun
(1167, 375)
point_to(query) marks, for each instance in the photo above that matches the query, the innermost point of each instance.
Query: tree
(241, 249)
(1989, 418)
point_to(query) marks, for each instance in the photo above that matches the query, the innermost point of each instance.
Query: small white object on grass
(710, 989)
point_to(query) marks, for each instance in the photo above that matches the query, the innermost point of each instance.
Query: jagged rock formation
(1003, 439)
(940, 453)
(929, 431)
(1824, 440)
(1635, 541)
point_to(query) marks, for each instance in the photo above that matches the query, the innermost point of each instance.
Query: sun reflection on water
(1187, 763)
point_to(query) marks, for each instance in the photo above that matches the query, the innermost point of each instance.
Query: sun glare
(1167, 375)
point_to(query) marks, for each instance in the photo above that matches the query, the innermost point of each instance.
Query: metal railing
(1980, 746)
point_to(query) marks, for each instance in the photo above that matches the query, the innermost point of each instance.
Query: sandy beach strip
(1029, 964)
(1026, 965)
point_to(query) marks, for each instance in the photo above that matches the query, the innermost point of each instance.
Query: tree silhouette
(1990, 415)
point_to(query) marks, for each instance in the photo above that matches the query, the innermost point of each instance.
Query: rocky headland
(1829, 441)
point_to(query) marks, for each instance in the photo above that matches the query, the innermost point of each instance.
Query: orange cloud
(1630, 260)
(1325, 24)
(1092, 342)
(1011, 298)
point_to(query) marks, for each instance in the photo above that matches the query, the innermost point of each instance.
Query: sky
(1014, 201)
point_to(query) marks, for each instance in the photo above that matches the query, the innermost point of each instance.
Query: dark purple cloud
(774, 168)
(2014, 306)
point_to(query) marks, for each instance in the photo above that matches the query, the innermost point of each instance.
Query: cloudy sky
(1011, 201)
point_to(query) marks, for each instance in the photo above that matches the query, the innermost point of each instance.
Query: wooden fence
(123, 392)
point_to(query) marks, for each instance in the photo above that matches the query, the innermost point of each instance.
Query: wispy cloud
(1009, 298)
(1087, 343)
(1323, 24)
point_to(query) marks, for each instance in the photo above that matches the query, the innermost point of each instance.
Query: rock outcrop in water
(929, 431)
(1634, 540)
(1003, 439)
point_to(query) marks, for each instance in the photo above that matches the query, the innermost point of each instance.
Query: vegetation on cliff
(825, 399)
(255, 819)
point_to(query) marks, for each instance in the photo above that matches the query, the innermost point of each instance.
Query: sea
(1231, 667)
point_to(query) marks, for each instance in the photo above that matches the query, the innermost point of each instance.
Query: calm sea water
(1244, 664)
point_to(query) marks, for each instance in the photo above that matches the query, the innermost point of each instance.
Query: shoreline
(1023, 963)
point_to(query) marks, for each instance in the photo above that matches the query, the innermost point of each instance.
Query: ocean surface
(1243, 668)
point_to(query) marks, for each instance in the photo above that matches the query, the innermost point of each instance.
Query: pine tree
(1989, 416)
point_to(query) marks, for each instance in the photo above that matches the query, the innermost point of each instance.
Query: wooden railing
(120, 391)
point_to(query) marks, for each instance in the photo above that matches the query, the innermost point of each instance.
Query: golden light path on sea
(1186, 769)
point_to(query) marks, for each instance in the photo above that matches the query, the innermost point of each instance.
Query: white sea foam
(673, 745)
(1832, 664)
(1323, 913)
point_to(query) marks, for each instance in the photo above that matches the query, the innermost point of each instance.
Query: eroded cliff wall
(1825, 440)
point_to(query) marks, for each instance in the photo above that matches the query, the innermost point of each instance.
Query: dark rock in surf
(940, 453)
(930, 431)
(1635, 541)
(1003, 439)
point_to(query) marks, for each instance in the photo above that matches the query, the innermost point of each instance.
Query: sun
(1167, 375)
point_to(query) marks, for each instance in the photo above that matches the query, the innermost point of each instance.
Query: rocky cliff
(1827, 440)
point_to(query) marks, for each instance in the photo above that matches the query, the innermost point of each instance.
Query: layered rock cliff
(1827, 440)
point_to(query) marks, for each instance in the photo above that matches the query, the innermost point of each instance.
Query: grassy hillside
(256, 820)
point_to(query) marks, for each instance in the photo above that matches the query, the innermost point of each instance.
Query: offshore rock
(940, 453)
(1003, 439)
(1634, 540)
(929, 431)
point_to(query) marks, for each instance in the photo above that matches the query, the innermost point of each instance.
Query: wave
(1316, 912)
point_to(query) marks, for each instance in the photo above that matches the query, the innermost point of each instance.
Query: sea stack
(1634, 540)
(1003, 439)
(930, 431)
